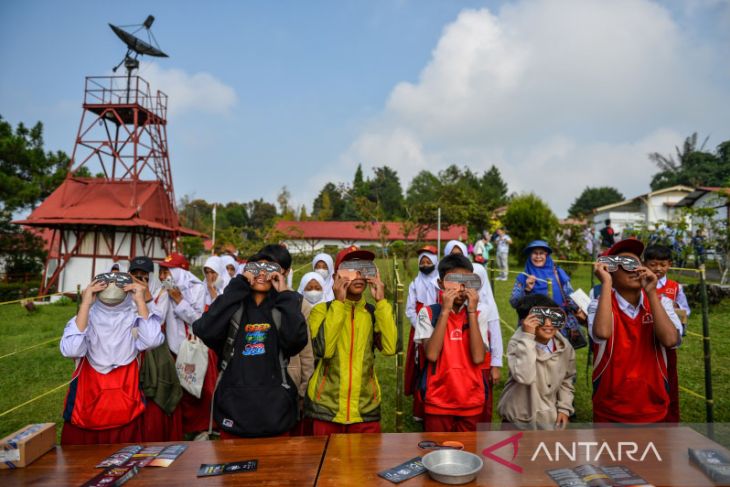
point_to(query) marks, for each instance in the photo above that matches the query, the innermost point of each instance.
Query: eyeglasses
(351, 268)
(121, 279)
(614, 261)
(555, 315)
(455, 281)
(256, 268)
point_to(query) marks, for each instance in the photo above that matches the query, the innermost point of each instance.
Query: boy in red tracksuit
(658, 258)
(454, 336)
(632, 326)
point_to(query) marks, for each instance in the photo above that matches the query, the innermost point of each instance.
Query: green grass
(27, 374)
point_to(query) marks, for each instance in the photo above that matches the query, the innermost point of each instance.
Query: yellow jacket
(343, 388)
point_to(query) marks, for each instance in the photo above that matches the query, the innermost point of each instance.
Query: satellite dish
(135, 45)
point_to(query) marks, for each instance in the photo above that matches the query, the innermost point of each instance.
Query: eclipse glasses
(555, 315)
(121, 279)
(455, 281)
(257, 268)
(612, 262)
(351, 268)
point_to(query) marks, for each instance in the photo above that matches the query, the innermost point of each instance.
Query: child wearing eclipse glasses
(539, 391)
(632, 326)
(343, 394)
(454, 335)
(254, 327)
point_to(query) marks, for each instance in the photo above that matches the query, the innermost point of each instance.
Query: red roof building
(312, 236)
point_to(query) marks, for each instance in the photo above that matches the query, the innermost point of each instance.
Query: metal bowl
(452, 466)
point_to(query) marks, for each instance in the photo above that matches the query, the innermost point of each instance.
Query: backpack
(227, 355)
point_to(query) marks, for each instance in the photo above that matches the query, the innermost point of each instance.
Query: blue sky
(272, 94)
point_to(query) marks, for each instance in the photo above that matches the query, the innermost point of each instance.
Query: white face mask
(112, 295)
(313, 296)
(325, 273)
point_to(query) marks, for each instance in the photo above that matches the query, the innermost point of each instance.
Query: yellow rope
(692, 393)
(505, 324)
(29, 348)
(34, 399)
(691, 333)
(31, 298)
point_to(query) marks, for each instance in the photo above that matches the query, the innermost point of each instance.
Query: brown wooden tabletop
(356, 459)
(281, 461)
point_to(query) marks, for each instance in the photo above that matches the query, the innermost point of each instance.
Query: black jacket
(250, 400)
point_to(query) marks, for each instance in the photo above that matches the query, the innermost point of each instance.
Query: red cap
(175, 260)
(352, 252)
(633, 245)
(427, 248)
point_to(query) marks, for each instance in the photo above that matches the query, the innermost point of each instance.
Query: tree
(191, 247)
(386, 192)
(493, 189)
(28, 175)
(693, 166)
(287, 213)
(329, 204)
(529, 218)
(592, 198)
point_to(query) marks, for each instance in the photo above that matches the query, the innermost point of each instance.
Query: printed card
(404, 471)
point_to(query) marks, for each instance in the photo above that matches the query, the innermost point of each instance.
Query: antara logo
(593, 451)
(582, 451)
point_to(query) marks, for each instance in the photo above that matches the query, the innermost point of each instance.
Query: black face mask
(427, 269)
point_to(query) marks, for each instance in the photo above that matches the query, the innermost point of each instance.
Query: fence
(705, 336)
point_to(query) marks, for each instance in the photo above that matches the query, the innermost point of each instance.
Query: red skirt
(486, 414)
(413, 372)
(673, 376)
(196, 411)
(160, 426)
(129, 433)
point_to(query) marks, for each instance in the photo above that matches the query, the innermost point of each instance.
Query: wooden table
(282, 461)
(356, 459)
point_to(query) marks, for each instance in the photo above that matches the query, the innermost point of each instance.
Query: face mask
(427, 269)
(112, 295)
(313, 296)
(167, 283)
(323, 272)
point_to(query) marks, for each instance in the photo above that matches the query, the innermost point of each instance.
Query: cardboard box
(23, 447)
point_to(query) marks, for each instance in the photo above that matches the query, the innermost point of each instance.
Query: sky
(558, 94)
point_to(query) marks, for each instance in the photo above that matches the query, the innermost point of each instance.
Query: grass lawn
(27, 374)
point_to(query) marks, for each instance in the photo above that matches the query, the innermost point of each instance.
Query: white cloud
(197, 92)
(558, 94)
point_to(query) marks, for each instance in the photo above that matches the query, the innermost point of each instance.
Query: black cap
(142, 263)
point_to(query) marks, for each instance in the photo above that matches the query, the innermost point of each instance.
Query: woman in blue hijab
(534, 280)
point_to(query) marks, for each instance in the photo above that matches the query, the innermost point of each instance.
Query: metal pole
(78, 297)
(212, 246)
(438, 235)
(706, 345)
(490, 272)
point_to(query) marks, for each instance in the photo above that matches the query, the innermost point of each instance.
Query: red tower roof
(97, 201)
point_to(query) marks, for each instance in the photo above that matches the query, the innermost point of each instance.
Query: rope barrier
(32, 298)
(692, 393)
(29, 348)
(34, 399)
(508, 326)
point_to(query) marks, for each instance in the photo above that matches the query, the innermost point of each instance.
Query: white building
(646, 210)
(717, 199)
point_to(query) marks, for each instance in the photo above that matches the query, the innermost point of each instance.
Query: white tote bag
(191, 365)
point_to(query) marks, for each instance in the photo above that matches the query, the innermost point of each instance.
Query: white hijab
(306, 279)
(426, 285)
(329, 295)
(455, 243)
(215, 264)
(109, 334)
(486, 297)
(227, 260)
(185, 281)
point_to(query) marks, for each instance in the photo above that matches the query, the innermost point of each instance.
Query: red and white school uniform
(104, 402)
(157, 425)
(630, 382)
(423, 291)
(178, 324)
(493, 358)
(455, 391)
(672, 290)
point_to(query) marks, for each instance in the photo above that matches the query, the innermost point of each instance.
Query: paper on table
(580, 298)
